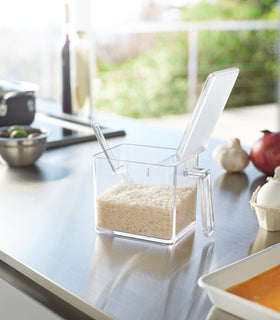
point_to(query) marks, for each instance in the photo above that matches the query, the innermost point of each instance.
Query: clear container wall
(158, 205)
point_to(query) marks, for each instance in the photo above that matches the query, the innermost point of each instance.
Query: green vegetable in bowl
(12, 128)
(18, 133)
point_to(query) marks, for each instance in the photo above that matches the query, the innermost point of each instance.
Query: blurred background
(150, 57)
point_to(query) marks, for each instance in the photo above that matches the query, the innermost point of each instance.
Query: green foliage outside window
(153, 83)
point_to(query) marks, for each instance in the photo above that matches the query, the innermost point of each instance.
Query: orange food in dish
(263, 288)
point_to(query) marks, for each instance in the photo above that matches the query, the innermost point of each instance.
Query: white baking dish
(215, 283)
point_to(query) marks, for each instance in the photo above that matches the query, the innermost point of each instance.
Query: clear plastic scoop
(210, 105)
(116, 167)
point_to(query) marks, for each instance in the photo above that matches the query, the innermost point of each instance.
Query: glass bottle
(81, 76)
(66, 76)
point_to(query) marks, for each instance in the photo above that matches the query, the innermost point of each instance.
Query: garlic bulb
(231, 156)
(268, 194)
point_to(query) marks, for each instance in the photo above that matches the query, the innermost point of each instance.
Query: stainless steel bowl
(21, 152)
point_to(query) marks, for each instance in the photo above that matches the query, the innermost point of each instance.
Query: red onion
(265, 152)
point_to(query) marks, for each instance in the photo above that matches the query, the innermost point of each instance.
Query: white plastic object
(216, 282)
(210, 105)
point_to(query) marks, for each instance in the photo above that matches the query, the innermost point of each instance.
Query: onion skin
(265, 152)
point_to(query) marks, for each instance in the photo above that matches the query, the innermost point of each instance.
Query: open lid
(210, 105)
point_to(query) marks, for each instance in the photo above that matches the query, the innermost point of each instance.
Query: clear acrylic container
(159, 204)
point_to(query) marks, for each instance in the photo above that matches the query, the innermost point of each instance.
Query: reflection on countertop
(264, 239)
(259, 181)
(218, 314)
(42, 171)
(122, 268)
(232, 182)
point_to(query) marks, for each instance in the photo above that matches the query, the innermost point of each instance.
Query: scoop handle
(102, 141)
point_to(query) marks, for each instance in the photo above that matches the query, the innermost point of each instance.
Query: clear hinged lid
(210, 105)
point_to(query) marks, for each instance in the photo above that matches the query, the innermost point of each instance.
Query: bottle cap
(82, 15)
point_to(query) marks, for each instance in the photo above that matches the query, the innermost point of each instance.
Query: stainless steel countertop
(47, 234)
